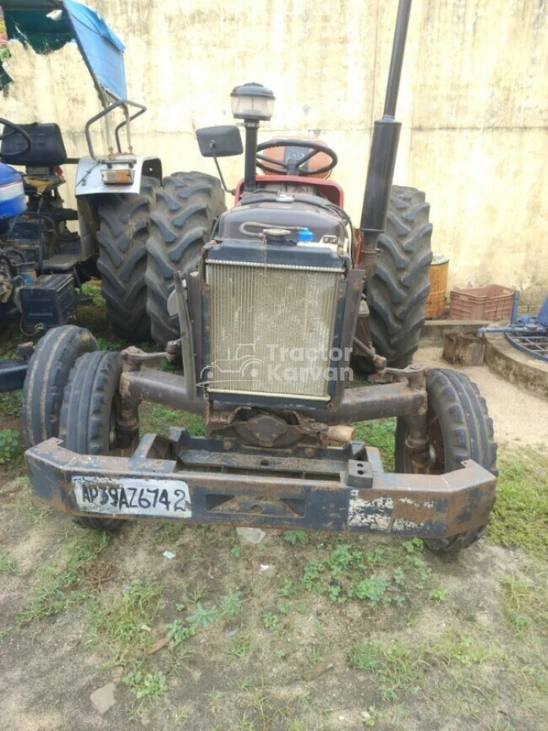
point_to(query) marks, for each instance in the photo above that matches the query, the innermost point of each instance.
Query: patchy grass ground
(298, 633)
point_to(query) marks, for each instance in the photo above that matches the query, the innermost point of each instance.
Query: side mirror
(222, 141)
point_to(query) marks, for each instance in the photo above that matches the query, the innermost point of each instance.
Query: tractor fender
(90, 174)
(90, 184)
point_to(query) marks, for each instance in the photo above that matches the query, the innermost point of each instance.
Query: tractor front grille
(271, 328)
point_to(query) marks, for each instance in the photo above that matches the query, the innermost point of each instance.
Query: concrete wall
(472, 103)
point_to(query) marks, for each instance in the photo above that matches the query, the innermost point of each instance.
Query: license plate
(132, 496)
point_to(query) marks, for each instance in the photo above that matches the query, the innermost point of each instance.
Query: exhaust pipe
(384, 146)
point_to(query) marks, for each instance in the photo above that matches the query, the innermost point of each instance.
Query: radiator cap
(278, 237)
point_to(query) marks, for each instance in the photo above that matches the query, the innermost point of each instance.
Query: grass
(61, 582)
(265, 710)
(525, 604)
(379, 576)
(271, 621)
(92, 289)
(146, 686)
(231, 606)
(10, 446)
(520, 515)
(177, 633)
(27, 504)
(8, 564)
(203, 616)
(314, 656)
(11, 403)
(169, 532)
(396, 670)
(239, 648)
(159, 419)
(122, 625)
(296, 537)
(379, 434)
(399, 669)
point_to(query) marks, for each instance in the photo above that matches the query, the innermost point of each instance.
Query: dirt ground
(296, 633)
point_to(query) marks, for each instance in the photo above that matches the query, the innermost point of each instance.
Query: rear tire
(88, 412)
(187, 205)
(399, 282)
(459, 428)
(124, 226)
(47, 375)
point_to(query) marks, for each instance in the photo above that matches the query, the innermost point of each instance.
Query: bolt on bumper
(197, 480)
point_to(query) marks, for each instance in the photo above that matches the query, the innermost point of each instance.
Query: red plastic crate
(481, 303)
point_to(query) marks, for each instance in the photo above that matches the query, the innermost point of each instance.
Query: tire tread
(186, 206)
(47, 375)
(85, 414)
(399, 284)
(467, 432)
(124, 224)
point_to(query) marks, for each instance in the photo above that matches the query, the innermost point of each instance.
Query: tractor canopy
(47, 25)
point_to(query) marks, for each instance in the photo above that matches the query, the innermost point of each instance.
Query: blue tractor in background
(44, 259)
(39, 256)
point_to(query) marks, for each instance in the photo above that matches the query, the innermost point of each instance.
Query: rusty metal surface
(374, 402)
(354, 284)
(270, 429)
(358, 404)
(242, 486)
(160, 387)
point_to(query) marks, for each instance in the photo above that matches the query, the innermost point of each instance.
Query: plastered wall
(473, 104)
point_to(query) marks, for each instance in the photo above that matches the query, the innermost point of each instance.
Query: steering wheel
(294, 167)
(15, 130)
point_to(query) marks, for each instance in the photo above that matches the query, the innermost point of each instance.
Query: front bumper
(201, 480)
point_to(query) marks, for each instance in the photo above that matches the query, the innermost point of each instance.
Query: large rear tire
(124, 226)
(399, 282)
(459, 428)
(88, 415)
(187, 205)
(47, 375)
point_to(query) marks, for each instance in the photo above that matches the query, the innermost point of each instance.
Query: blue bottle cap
(305, 234)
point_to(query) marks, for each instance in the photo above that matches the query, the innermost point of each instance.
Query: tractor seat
(47, 149)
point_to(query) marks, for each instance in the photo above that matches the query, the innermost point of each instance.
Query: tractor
(43, 263)
(273, 309)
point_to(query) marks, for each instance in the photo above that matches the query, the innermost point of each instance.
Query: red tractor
(271, 310)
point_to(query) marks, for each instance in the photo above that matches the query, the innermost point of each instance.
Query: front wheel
(47, 376)
(459, 428)
(88, 415)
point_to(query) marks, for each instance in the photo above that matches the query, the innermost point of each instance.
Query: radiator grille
(271, 328)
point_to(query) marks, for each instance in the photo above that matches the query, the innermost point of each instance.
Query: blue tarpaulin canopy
(46, 25)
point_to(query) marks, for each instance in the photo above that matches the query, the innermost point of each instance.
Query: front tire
(187, 204)
(459, 428)
(88, 415)
(124, 225)
(47, 376)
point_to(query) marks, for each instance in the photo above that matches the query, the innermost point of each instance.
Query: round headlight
(253, 102)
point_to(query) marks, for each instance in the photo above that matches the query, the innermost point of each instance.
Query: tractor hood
(268, 209)
(46, 25)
